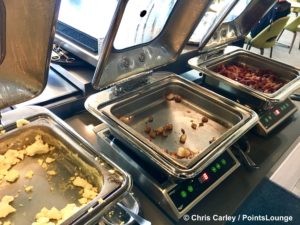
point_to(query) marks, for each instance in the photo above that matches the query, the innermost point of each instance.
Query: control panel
(277, 114)
(187, 192)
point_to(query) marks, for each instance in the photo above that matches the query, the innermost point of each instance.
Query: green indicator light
(223, 161)
(218, 166)
(190, 188)
(266, 120)
(213, 169)
(270, 117)
(183, 194)
(287, 104)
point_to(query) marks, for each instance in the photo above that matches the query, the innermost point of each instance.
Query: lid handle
(2, 31)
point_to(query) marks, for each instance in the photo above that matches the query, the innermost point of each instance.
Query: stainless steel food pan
(254, 61)
(73, 157)
(227, 121)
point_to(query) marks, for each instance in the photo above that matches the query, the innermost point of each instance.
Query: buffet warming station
(174, 137)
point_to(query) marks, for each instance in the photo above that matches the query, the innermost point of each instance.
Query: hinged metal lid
(245, 15)
(141, 39)
(26, 35)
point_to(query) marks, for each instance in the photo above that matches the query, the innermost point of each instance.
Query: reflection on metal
(142, 21)
(29, 35)
(241, 26)
(2, 31)
(212, 19)
(162, 50)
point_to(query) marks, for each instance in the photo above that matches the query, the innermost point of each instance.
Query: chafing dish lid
(243, 16)
(160, 31)
(26, 35)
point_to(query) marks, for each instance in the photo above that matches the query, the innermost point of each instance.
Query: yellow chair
(267, 37)
(293, 26)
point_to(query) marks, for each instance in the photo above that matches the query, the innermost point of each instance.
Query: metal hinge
(132, 83)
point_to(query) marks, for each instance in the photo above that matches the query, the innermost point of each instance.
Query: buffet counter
(231, 193)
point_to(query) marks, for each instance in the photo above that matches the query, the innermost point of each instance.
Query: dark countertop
(230, 194)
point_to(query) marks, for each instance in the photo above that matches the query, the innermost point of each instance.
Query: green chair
(295, 9)
(267, 37)
(293, 26)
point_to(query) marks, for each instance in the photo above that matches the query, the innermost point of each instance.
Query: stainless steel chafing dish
(72, 155)
(130, 91)
(228, 121)
(26, 43)
(254, 61)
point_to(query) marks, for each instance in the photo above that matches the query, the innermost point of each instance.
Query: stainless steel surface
(100, 104)
(85, 55)
(287, 172)
(156, 190)
(115, 65)
(238, 28)
(116, 215)
(81, 77)
(2, 31)
(283, 71)
(202, 34)
(221, 121)
(56, 88)
(140, 220)
(230, 194)
(29, 35)
(262, 130)
(73, 155)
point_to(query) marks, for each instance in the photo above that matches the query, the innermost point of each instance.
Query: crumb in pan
(212, 140)
(183, 137)
(29, 174)
(28, 188)
(125, 119)
(204, 119)
(194, 126)
(170, 97)
(178, 98)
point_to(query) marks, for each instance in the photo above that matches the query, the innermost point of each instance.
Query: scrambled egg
(9, 159)
(54, 216)
(29, 174)
(49, 160)
(28, 188)
(51, 172)
(12, 175)
(38, 147)
(5, 223)
(5, 207)
(22, 122)
(89, 192)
